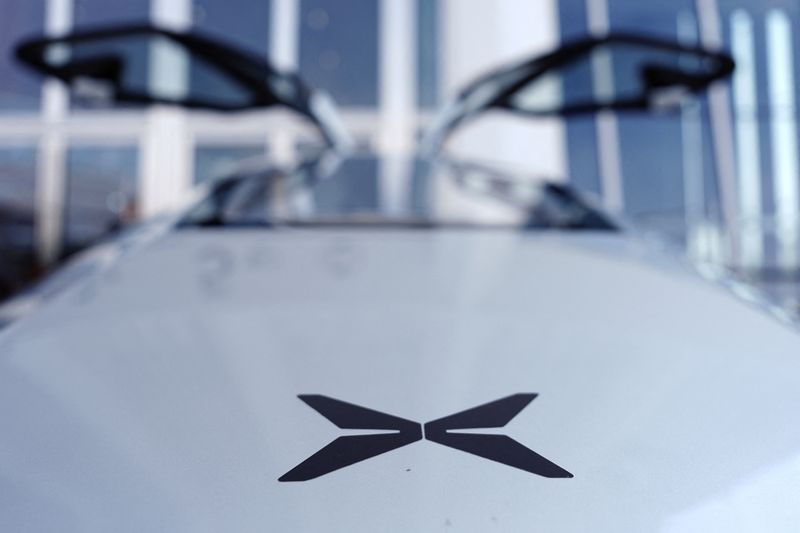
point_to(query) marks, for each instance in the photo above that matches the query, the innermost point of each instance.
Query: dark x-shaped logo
(351, 449)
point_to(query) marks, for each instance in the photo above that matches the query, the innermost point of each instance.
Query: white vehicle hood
(162, 395)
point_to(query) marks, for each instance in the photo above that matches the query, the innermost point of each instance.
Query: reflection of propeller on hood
(659, 67)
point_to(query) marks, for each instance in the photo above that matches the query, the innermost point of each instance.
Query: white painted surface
(166, 150)
(284, 31)
(161, 394)
(479, 36)
(701, 238)
(284, 53)
(165, 159)
(398, 75)
(51, 157)
(748, 155)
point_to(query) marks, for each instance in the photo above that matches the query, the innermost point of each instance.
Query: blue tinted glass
(133, 51)
(17, 186)
(654, 17)
(90, 13)
(93, 12)
(242, 22)
(19, 89)
(580, 131)
(757, 11)
(353, 188)
(584, 171)
(17, 235)
(215, 161)
(339, 49)
(651, 146)
(572, 19)
(101, 193)
(428, 59)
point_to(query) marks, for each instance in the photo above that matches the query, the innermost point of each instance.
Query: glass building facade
(667, 169)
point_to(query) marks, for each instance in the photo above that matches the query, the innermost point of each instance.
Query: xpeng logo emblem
(347, 450)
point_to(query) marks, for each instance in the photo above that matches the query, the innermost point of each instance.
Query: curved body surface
(162, 393)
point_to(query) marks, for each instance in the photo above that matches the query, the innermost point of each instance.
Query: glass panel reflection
(101, 193)
(215, 161)
(339, 49)
(19, 89)
(17, 190)
(223, 19)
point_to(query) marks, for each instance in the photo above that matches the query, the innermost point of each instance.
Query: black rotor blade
(350, 449)
(499, 448)
(346, 451)
(502, 449)
(350, 416)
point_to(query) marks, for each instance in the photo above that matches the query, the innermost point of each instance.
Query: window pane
(339, 49)
(101, 193)
(580, 130)
(428, 54)
(214, 161)
(242, 22)
(17, 182)
(90, 13)
(93, 12)
(651, 147)
(19, 89)
(353, 187)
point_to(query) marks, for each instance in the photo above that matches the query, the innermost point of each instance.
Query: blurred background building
(721, 178)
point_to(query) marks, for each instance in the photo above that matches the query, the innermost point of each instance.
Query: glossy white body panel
(160, 394)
